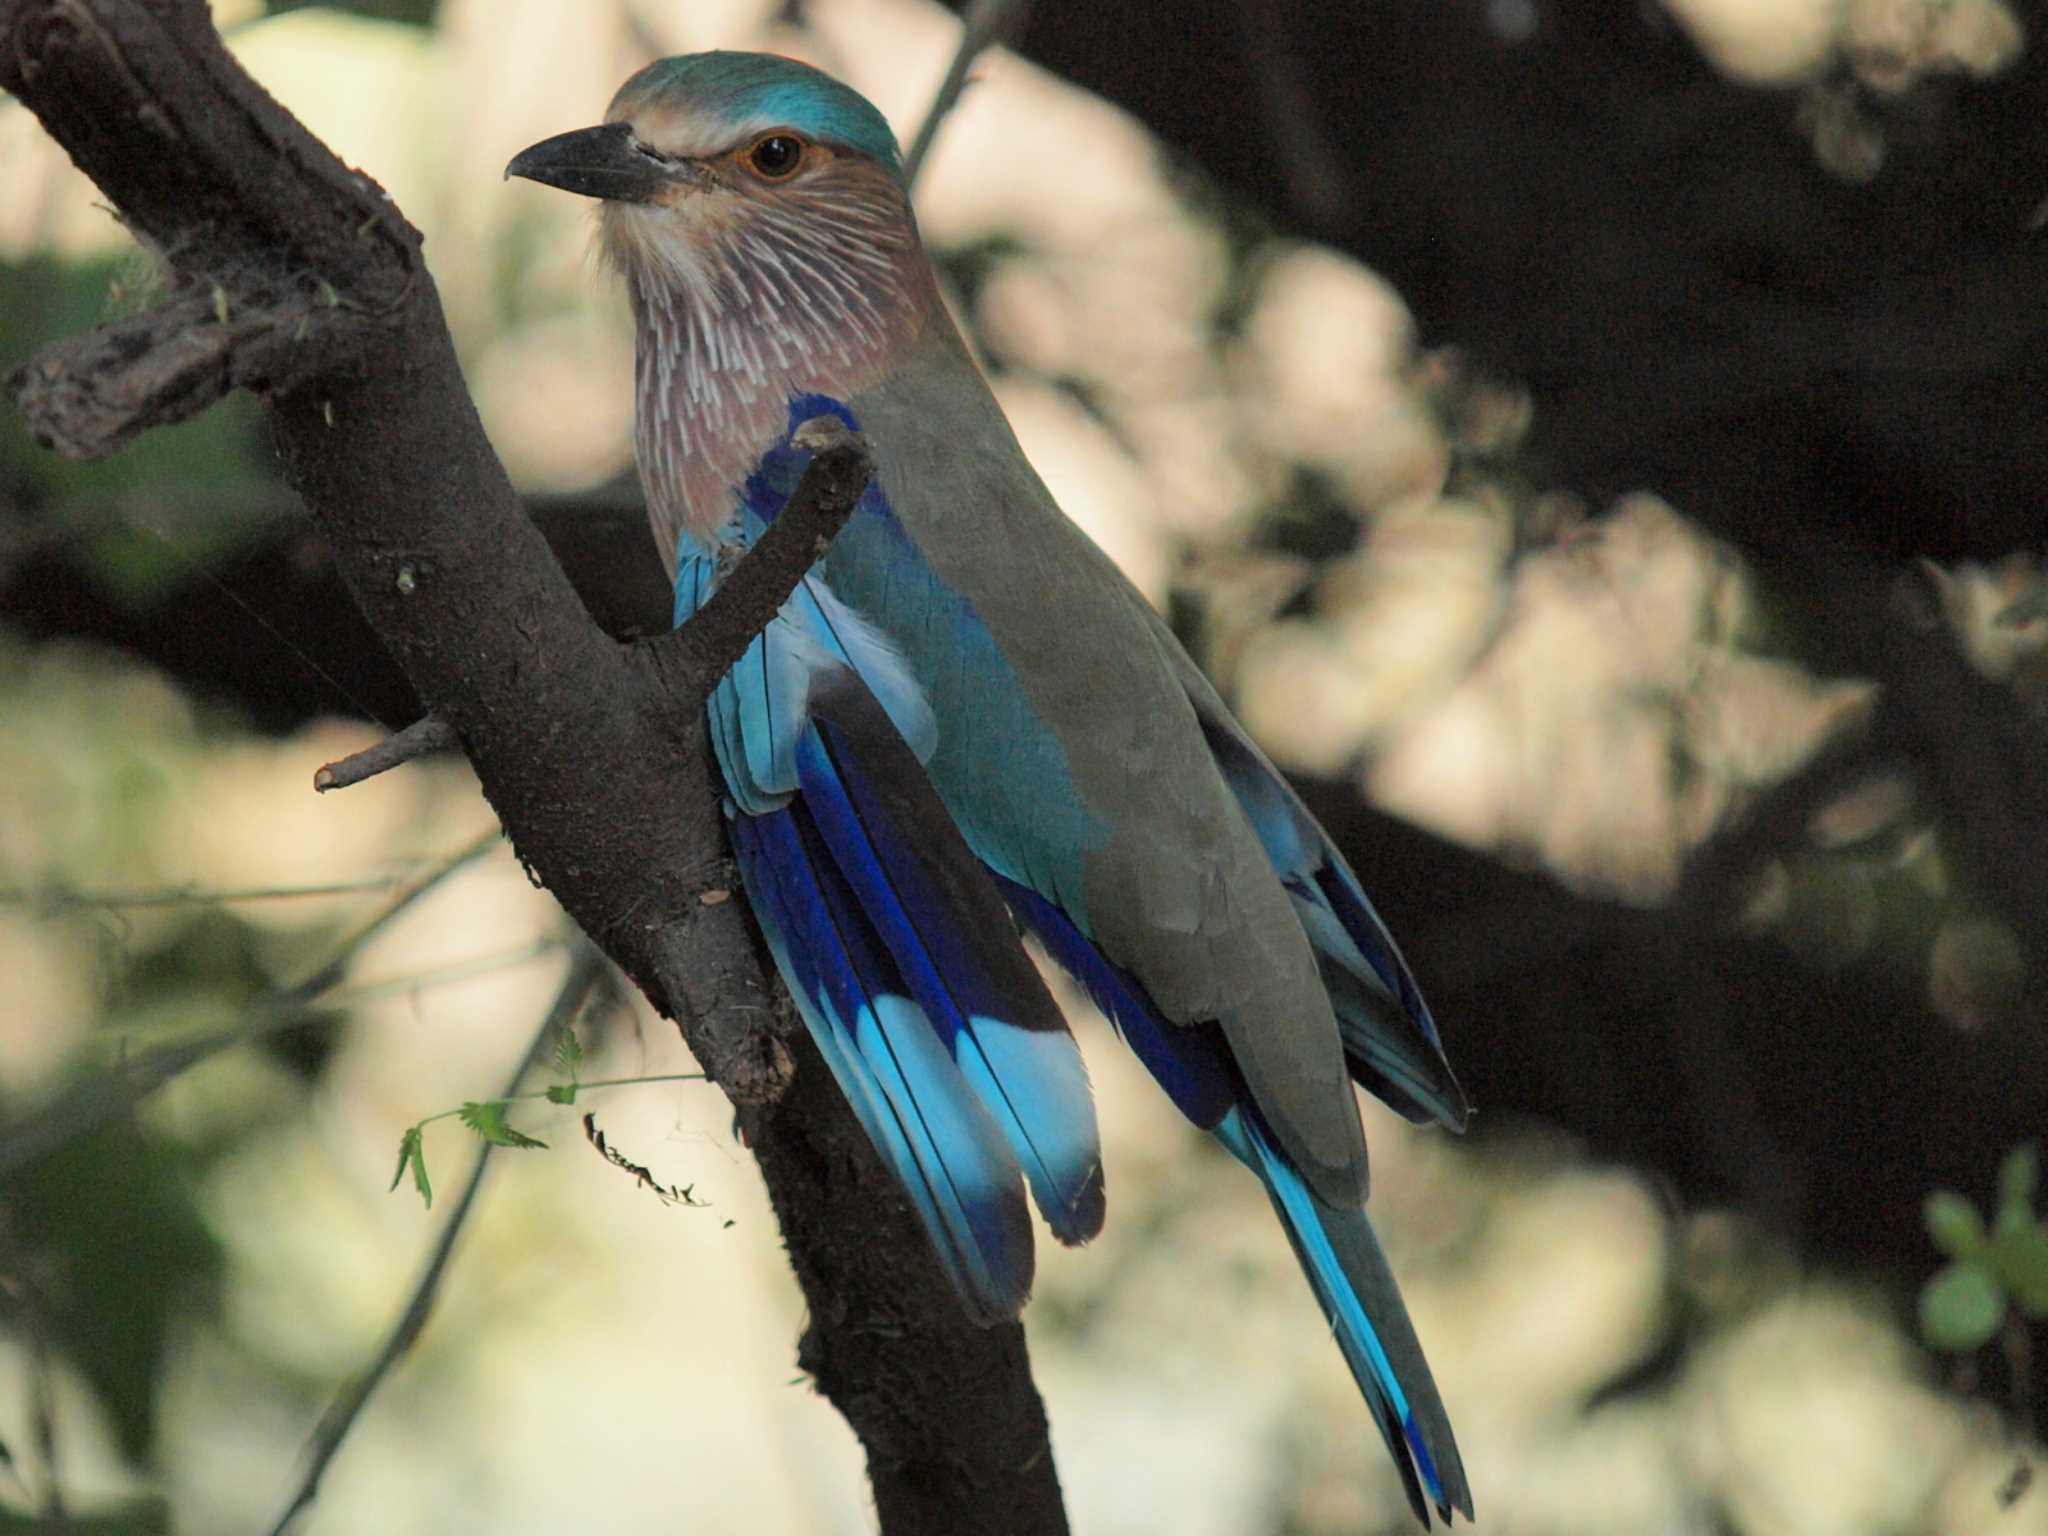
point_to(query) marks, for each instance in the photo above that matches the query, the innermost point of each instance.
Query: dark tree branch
(609, 801)
(94, 393)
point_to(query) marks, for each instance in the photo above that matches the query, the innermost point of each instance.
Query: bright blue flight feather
(938, 1140)
(1004, 1032)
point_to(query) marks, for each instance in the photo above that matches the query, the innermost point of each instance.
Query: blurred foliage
(417, 13)
(1996, 1270)
(102, 1252)
(142, 1517)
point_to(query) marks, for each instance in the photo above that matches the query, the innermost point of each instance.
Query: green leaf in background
(1954, 1224)
(107, 1229)
(487, 1119)
(568, 1053)
(1961, 1308)
(2019, 1175)
(2019, 1252)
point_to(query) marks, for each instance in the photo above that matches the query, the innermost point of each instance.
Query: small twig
(668, 1194)
(86, 396)
(586, 973)
(428, 734)
(717, 636)
(987, 22)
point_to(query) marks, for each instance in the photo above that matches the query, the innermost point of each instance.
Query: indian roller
(966, 726)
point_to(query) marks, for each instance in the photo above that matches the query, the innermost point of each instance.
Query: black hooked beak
(606, 161)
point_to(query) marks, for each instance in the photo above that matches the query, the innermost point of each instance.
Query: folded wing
(902, 957)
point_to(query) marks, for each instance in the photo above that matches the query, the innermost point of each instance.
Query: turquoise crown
(765, 86)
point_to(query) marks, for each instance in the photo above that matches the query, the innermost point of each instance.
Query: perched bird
(966, 725)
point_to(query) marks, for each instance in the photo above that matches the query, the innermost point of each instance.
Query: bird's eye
(777, 156)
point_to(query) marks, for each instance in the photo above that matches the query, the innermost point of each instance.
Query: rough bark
(297, 278)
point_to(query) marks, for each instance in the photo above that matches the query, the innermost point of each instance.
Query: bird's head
(758, 212)
(742, 178)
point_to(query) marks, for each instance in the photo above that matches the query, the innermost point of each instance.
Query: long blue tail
(1348, 1273)
(1336, 1248)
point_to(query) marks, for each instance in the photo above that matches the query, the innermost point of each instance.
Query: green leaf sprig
(1992, 1268)
(487, 1118)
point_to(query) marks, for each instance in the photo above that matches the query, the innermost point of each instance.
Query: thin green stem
(549, 1094)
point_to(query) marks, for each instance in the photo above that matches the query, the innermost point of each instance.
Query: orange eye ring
(775, 156)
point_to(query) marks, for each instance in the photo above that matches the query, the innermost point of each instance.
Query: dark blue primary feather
(903, 1085)
(937, 910)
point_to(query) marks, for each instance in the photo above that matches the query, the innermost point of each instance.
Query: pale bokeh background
(602, 1362)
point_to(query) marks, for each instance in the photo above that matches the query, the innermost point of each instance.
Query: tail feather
(1336, 1248)
(1348, 1273)
(907, 1091)
(1388, 1055)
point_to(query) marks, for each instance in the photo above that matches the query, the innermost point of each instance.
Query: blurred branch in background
(588, 970)
(87, 1105)
(987, 22)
